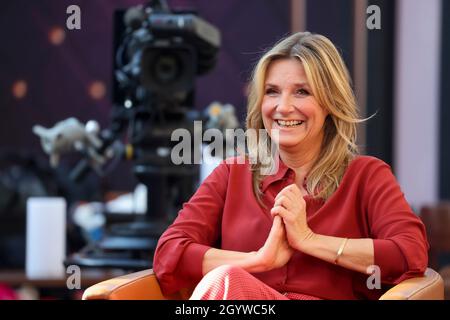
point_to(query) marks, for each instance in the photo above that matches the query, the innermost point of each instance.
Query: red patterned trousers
(233, 283)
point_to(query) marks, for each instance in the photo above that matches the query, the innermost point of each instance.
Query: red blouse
(224, 213)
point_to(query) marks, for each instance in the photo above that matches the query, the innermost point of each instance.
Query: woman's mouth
(289, 123)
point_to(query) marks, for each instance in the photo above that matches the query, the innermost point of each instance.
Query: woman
(316, 228)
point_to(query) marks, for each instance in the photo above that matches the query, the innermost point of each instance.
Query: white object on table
(46, 237)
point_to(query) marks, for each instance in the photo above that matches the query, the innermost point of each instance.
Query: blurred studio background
(100, 196)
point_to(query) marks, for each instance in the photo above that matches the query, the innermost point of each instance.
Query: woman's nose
(285, 104)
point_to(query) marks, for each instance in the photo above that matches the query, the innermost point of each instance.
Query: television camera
(158, 55)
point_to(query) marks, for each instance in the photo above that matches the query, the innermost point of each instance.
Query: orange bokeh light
(19, 89)
(97, 90)
(56, 35)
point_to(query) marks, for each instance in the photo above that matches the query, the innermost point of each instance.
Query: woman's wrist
(305, 240)
(249, 261)
(254, 262)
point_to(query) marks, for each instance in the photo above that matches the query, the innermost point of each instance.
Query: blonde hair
(330, 83)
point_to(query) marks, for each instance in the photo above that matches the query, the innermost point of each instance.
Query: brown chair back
(436, 219)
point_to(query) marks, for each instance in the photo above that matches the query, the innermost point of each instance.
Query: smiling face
(289, 106)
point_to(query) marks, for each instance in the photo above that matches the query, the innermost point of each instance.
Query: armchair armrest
(141, 285)
(428, 287)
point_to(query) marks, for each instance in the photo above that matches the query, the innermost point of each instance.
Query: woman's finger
(283, 201)
(287, 194)
(281, 212)
(275, 229)
(292, 191)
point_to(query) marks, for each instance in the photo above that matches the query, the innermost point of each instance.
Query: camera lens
(166, 69)
(168, 72)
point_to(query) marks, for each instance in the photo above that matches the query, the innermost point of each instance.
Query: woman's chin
(286, 143)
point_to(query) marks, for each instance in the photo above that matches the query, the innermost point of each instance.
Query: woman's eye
(303, 92)
(270, 91)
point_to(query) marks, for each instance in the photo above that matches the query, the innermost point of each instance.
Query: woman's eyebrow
(297, 84)
(301, 84)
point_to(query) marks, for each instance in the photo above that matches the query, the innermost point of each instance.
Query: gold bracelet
(341, 249)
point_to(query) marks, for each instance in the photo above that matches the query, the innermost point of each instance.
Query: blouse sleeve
(400, 243)
(179, 254)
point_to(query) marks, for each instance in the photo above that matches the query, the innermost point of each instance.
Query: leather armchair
(143, 285)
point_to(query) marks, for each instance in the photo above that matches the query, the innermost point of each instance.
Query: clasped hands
(289, 229)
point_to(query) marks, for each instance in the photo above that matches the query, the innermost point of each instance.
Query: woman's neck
(300, 161)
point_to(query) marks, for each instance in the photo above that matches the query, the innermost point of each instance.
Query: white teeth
(289, 123)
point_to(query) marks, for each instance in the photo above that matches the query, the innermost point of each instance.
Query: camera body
(160, 55)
